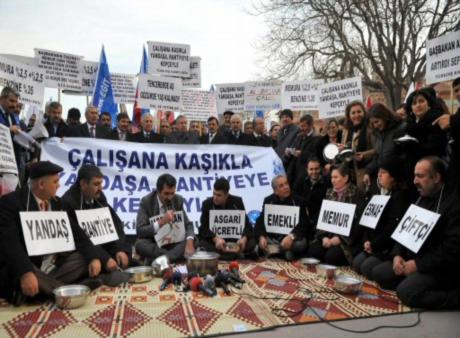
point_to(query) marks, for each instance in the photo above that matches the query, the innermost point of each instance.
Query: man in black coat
(429, 278)
(235, 135)
(214, 135)
(222, 200)
(33, 275)
(146, 135)
(121, 132)
(181, 135)
(86, 193)
(55, 124)
(294, 243)
(258, 137)
(91, 128)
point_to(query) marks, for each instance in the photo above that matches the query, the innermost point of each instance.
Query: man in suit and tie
(214, 136)
(55, 124)
(146, 135)
(163, 227)
(90, 128)
(287, 133)
(181, 135)
(121, 132)
(260, 139)
(235, 135)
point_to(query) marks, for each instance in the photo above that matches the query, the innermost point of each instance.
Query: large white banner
(62, 69)
(443, 58)
(301, 95)
(194, 81)
(263, 95)
(198, 105)
(334, 96)
(28, 80)
(169, 59)
(7, 159)
(160, 92)
(131, 171)
(230, 96)
(124, 87)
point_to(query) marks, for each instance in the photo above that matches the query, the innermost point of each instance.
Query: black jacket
(242, 140)
(233, 203)
(61, 130)
(83, 131)
(313, 194)
(261, 140)
(219, 138)
(309, 148)
(140, 137)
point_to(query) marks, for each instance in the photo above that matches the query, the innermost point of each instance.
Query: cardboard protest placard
(198, 105)
(98, 225)
(7, 158)
(336, 217)
(301, 95)
(334, 96)
(88, 70)
(124, 87)
(443, 58)
(169, 59)
(227, 223)
(374, 210)
(281, 219)
(194, 81)
(262, 95)
(170, 233)
(230, 96)
(160, 92)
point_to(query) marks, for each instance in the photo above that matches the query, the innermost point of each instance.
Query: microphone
(186, 281)
(234, 268)
(222, 282)
(196, 284)
(230, 280)
(167, 276)
(177, 279)
(210, 283)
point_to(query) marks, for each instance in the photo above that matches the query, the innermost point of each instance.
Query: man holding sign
(427, 278)
(103, 230)
(223, 220)
(37, 245)
(283, 221)
(163, 227)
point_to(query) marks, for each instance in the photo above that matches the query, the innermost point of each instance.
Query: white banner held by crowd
(263, 95)
(132, 169)
(230, 96)
(443, 58)
(415, 227)
(336, 217)
(169, 59)
(374, 210)
(194, 81)
(301, 95)
(46, 232)
(281, 219)
(98, 225)
(334, 96)
(170, 233)
(227, 223)
(88, 71)
(27, 80)
(124, 87)
(62, 70)
(7, 158)
(198, 105)
(160, 92)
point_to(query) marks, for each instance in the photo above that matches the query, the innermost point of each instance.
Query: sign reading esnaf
(227, 223)
(443, 58)
(336, 217)
(46, 232)
(281, 219)
(374, 210)
(98, 225)
(301, 95)
(415, 227)
(132, 169)
(160, 92)
(170, 233)
(169, 59)
(334, 96)
(230, 96)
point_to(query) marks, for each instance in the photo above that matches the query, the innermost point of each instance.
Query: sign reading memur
(336, 217)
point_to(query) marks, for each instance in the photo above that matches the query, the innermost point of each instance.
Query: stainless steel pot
(203, 263)
(347, 284)
(71, 296)
(140, 274)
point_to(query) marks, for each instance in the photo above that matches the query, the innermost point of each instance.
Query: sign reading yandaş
(169, 59)
(62, 69)
(194, 81)
(160, 92)
(443, 58)
(230, 96)
(334, 96)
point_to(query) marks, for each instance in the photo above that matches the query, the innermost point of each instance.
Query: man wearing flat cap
(86, 193)
(28, 275)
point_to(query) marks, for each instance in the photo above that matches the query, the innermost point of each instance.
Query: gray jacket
(286, 138)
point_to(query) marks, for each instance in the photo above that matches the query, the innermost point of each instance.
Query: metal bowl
(71, 296)
(347, 284)
(203, 262)
(326, 270)
(232, 247)
(140, 274)
(273, 249)
(309, 261)
(330, 151)
(160, 265)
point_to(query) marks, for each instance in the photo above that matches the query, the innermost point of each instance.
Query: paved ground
(433, 324)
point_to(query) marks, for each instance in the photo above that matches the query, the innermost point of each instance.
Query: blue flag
(103, 93)
(137, 110)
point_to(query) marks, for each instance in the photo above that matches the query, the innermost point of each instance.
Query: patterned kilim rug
(276, 293)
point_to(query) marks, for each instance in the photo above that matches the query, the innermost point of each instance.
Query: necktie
(44, 205)
(93, 132)
(211, 136)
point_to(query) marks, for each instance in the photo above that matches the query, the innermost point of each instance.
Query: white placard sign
(7, 158)
(98, 225)
(415, 227)
(281, 219)
(170, 233)
(194, 81)
(198, 105)
(124, 87)
(88, 70)
(227, 223)
(28, 80)
(263, 95)
(159, 92)
(336, 217)
(46, 232)
(374, 210)
(230, 96)
(443, 58)
(27, 60)
(169, 59)
(301, 95)
(334, 96)
(62, 70)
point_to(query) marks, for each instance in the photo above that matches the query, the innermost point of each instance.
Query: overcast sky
(221, 32)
